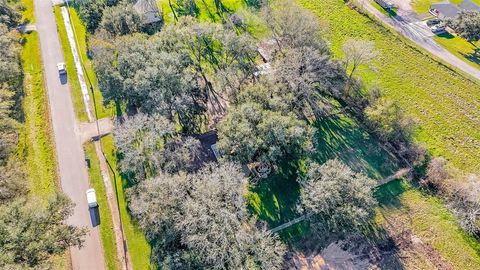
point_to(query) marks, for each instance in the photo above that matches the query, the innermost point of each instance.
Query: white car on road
(62, 68)
(91, 198)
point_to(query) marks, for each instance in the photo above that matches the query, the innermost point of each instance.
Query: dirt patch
(352, 253)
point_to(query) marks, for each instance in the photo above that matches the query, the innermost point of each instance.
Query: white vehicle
(438, 28)
(61, 68)
(91, 198)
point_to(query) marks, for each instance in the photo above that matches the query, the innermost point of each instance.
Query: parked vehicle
(62, 68)
(433, 22)
(438, 28)
(91, 198)
(385, 4)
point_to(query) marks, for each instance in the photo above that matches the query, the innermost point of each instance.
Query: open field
(106, 225)
(460, 48)
(446, 104)
(138, 246)
(430, 221)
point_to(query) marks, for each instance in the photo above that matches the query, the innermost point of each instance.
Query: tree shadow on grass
(341, 137)
(274, 200)
(446, 35)
(473, 57)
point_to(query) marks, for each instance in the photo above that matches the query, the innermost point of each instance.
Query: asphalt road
(411, 28)
(71, 160)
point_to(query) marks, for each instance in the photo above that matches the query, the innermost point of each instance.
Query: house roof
(207, 152)
(266, 49)
(469, 5)
(149, 9)
(445, 9)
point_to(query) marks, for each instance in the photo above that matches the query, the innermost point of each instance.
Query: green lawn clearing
(28, 15)
(207, 12)
(460, 47)
(36, 143)
(138, 246)
(275, 199)
(106, 225)
(431, 222)
(445, 103)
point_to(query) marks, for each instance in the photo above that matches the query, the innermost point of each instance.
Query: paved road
(71, 160)
(410, 27)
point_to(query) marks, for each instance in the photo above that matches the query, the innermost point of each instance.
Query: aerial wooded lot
(256, 134)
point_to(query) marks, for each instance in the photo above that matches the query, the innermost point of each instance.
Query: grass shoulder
(106, 224)
(460, 48)
(138, 247)
(71, 71)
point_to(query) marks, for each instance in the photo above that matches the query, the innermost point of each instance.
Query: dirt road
(71, 160)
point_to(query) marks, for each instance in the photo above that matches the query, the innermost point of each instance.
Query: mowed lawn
(430, 221)
(446, 104)
(460, 48)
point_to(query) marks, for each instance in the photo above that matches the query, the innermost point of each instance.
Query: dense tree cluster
(200, 220)
(150, 144)
(467, 24)
(194, 74)
(30, 233)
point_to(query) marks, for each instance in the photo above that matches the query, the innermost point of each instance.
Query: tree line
(31, 231)
(190, 76)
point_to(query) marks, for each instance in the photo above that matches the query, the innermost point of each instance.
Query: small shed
(149, 10)
(208, 148)
(266, 49)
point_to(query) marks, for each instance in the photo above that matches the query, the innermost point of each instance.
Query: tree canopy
(201, 220)
(148, 144)
(337, 198)
(467, 24)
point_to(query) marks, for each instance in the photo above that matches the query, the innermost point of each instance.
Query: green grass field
(35, 141)
(445, 103)
(459, 47)
(106, 226)
(82, 39)
(28, 14)
(430, 221)
(138, 246)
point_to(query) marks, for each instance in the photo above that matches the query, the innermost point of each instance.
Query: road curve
(415, 34)
(71, 160)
